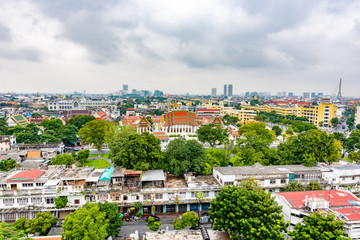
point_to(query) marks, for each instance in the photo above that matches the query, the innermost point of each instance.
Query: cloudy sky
(179, 47)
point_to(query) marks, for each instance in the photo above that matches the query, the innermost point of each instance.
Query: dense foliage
(250, 214)
(112, 214)
(96, 132)
(61, 201)
(43, 223)
(136, 151)
(8, 232)
(319, 226)
(215, 157)
(188, 219)
(308, 148)
(153, 226)
(64, 159)
(87, 223)
(254, 145)
(6, 165)
(214, 135)
(184, 155)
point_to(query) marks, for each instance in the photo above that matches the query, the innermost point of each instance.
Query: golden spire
(175, 105)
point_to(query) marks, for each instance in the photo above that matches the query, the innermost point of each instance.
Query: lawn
(105, 155)
(98, 163)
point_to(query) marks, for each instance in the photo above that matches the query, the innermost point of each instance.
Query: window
(147, 196)
(272, 181)
(28, 185)
(193, 195)
(206, 194)
(158, 196)
(37, 200)
(125, 198)
(171, 196)
(134, 197)
(182, 195)
(228, 183)
(8, 201)
(9, 216)
(117, 198)
(22, 201)
(3, 186)
(39, 184)
(49, 200)
(77, 201)
(283, 181)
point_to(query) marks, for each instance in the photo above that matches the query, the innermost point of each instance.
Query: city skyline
(179, 48)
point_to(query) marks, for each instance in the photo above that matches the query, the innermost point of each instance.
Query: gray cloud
(28, 54)
(5, 33)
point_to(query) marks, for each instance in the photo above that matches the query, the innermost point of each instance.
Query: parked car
(156, 218)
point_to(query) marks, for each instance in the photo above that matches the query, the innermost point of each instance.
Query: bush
(61, 201)
(153, 226)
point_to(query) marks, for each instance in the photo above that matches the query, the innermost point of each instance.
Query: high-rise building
(313, 95)
(213, 92)
(320, 94)
(225, 90)
(230, 90)
(125, 88)
(290, 94)
(306, 95)
(158, 93)
(247, 94)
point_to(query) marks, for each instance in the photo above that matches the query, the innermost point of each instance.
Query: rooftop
(336, 198)
(153, 175)
(351, 214)
(258, 169)
(175, 182)
(27, 175)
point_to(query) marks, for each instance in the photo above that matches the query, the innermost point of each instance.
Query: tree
(312, 186)
(334, 121)
(136, 151)
(22, 224)
(215, 158)
(82, 156)
(308, 148)
(80, 120)
(250, 214)
(352, 143)
(319, 227)
(64, 159)
(289, 131)
(95, 132)
(27, 135)
(61, 201)
(8, 232)
(294, 187)
(87, 223)
(358, 126)
(43, 223)
(112, 214)
(68, 134)
(321, 123)
(254, 145)
(6, 165)
(183, 156)
(277, 130)
(250, 184)
(188, 219)
(153, 226)
(200, 197)
(214, 135)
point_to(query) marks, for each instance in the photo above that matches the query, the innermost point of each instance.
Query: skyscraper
(225, 90)
(213, 92)
(125, 88)
(230, 90)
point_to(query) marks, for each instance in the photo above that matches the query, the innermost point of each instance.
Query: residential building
(271, 178)
(208, 112)
(244, 115)
(357, 116)
(6, 141)
(213, 92)
(225, 90)
(230, 90)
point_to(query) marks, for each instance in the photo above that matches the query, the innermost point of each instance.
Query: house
(6, 141)
(271, 178)
(17, 120)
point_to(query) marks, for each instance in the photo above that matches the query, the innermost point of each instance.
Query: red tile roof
(27, 175)
(335, 197)
(352, 214)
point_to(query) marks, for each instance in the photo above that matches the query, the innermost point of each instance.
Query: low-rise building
(271, 178)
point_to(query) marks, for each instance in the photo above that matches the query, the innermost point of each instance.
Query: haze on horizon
(180, 46)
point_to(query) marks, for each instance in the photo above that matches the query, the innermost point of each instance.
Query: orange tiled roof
(34, 154)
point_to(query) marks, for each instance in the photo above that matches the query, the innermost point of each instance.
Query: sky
(180, 46)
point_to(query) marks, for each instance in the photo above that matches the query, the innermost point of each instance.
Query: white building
(82, 104)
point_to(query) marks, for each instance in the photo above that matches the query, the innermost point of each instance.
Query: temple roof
(180, 117)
